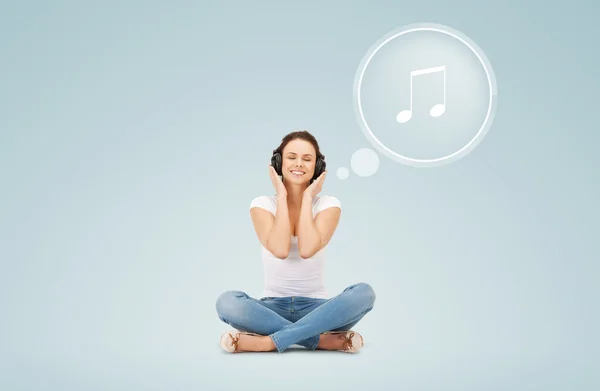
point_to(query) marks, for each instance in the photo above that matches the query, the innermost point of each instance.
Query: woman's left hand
(315, 187)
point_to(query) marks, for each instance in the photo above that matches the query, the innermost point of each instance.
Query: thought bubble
(364, 163)
(424, 95)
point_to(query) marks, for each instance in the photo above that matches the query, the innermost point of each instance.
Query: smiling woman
(294, 226)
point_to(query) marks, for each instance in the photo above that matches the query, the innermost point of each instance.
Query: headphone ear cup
(319, 167)
(276, 162)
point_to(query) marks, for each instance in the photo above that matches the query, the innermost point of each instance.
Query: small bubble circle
(364, 162)
(342, 173)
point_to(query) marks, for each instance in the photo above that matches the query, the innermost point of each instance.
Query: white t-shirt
(294, 276)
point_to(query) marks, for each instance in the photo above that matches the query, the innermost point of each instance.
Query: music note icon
(437, 110)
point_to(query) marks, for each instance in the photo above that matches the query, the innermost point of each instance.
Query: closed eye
(293, 158)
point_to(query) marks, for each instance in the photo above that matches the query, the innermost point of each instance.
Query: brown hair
(303, 135)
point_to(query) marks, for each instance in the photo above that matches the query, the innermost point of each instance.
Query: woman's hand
(315, 187)
(277, 182)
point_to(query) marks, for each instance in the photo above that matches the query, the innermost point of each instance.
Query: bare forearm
(309, 238)
(279, 236)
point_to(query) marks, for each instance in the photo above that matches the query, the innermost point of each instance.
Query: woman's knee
(366, 292)
(228, 303)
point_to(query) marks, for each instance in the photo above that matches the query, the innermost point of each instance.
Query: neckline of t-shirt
(314, 199)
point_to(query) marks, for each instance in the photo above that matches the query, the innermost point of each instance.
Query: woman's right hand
(277, 182)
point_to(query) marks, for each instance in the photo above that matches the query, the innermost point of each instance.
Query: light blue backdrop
(133, 136)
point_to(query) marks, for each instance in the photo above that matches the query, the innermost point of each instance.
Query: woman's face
(298, 161)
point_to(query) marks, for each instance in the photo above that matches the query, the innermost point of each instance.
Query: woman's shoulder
(321, 202)
(265, 202)
(326, 201)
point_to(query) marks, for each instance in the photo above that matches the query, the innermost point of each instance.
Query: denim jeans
(296, 319)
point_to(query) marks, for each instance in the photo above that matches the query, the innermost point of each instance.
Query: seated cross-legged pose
(294, 226)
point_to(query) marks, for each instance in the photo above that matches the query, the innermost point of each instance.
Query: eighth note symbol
(437, 110)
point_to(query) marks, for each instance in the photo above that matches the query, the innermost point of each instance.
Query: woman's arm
(315, 233)
(274, 231)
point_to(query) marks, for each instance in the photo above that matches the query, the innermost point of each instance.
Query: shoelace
(234, 341)
(348, 342)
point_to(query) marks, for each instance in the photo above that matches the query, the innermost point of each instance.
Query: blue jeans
(296, 319)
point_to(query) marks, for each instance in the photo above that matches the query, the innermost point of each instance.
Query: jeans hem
(314, 347)
(277, 343)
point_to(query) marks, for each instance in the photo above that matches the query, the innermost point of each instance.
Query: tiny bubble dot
(342, 173)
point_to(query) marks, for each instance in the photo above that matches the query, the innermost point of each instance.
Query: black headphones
(319, 166)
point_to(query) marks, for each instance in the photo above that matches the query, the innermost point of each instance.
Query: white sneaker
(353, 343)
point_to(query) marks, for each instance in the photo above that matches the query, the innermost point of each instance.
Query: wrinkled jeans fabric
(296, 319)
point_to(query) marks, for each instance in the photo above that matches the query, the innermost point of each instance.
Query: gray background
(134, 136)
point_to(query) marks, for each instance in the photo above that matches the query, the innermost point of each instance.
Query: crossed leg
(339, 313)
(246, 313)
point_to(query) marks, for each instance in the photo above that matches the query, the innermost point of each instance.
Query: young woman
(293, 227)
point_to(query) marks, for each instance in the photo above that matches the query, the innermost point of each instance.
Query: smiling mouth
(297, 173)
